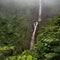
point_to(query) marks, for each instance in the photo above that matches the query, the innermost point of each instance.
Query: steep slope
(48, 39)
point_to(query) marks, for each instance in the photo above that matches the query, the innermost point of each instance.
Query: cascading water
(35, 27)
(40, 10)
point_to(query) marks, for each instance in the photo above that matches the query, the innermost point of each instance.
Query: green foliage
(15, 31)
(48, 40)
(6, 47)
(29, 57)
(15, 34)
(31, 54)
(24, 57)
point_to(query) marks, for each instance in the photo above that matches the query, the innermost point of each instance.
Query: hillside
(48, 39)
(47, 45)
(29, 30)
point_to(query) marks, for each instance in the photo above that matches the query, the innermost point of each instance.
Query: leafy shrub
(24, 57)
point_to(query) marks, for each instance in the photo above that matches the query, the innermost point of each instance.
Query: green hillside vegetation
(48, 39)
(15, 32)
(16, 27)
(47, 45)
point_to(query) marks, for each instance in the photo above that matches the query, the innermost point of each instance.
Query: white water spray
(35, 27)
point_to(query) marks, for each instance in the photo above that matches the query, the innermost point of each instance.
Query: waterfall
(35, 27)
(40, 10)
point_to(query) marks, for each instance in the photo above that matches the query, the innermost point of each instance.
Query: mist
(30, 2)
(50, 6)
(19, 2)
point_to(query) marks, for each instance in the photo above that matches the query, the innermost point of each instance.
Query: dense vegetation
(14, 32)
(48, 39)
(12, 41)
(16, 27)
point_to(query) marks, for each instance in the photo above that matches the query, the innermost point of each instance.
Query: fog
(19, 2)
(29, 2)
(50, 2)
(50, 6)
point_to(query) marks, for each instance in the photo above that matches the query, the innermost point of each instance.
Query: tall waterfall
(40, 10)
(35, 27)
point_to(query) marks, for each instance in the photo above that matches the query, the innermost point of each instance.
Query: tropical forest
(29, 29)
